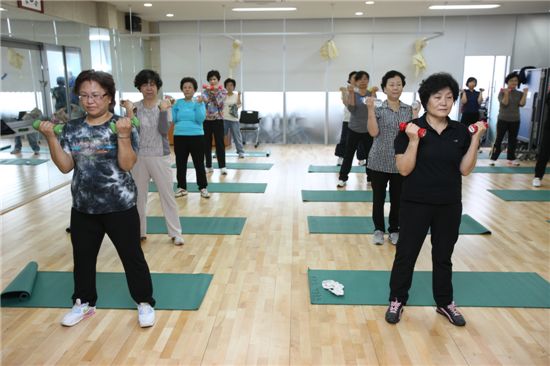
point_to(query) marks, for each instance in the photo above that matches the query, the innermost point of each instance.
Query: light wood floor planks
(257, 309)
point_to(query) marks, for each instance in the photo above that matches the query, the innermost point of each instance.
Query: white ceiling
(309, 9)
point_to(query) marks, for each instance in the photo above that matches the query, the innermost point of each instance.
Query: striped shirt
(382, 152)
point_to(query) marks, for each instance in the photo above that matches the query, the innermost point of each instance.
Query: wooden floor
(257, 309)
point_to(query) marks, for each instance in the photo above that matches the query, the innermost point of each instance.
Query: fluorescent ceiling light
(369, 2)
(464, 7)
(263, 9)
(147, 5)
(169, 15)
(358, 13)
(2, 9)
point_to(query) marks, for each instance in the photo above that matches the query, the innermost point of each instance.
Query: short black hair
(471, 78)
(513, 74)
(104, 79)
(145, 76)
(229, 80)
(188, 79)
(391, 74)
(359, 75)
(434, 83)
(351, 75)
(211, 73)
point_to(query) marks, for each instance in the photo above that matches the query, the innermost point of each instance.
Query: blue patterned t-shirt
(99, 185)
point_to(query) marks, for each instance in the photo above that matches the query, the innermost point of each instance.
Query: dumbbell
(473, 127)
(135, 123)
(403, 127)
(57, 129)
(211, 87)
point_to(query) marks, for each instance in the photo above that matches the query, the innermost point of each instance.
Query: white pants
(158, 168)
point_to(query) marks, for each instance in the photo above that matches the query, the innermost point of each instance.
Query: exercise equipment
(57, 129)
(473, 127)
(135, 123)
(211, 88)
(421, 131)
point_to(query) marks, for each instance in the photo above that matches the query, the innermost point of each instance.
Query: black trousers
(87, 232)
(502, 128)
(379, 182)
(415, 220)
(214, 128)
(544, 155)
(340, 150)
(354, 140)
(469, 118)
(183, 146)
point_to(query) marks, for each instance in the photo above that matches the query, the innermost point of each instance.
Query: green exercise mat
(220, 187)
(522, 194)
(338, 196)
(506, 169)
(37, 289)
(240, 166)
(251, 154)
(43, 150)
(476, 289)
(22, 161)
(334, 169)
(364, 225)
(199, 225)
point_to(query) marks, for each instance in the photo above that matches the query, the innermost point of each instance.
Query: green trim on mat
(172, 291)
(240, 166)
(338, 196)
(522, 195)
(252, 154)
(364, 225)
(220, 187)
(477, 289)
(506, 169)
(199, 225)
(334, 169)
(21, 161)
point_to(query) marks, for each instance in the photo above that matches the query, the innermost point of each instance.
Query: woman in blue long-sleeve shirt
(188, 115)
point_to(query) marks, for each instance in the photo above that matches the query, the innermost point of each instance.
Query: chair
(250, 122)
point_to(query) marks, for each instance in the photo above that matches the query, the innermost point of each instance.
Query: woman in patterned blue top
(104, 195)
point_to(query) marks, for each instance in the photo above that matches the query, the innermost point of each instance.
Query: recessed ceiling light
(169, 15)
(2, 9)
(464, 7)
(147, 5)
(358, 13)
(263, 9)
(369, 2)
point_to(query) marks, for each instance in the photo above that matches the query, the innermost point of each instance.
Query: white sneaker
(362, 162)
(209, 170)
(513, 163)
(340, 184)
(241, 155)
(78, 312)
(394, 237)
(146, 315)
(339, 161)
(537, 182)
(492, 162)
(223, 171)
(178, 240)
(181, 192)
(204, 193)
(378, 237)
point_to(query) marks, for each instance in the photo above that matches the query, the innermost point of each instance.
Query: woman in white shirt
(231, 106)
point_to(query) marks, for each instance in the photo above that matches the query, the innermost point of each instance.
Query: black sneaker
(393, 314)
(452, 313)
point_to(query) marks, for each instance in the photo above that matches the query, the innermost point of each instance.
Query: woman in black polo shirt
(431, 197)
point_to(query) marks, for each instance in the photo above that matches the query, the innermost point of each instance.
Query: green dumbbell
(135, 122)
(57, 129)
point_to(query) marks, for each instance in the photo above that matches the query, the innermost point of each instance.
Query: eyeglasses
(94, 97)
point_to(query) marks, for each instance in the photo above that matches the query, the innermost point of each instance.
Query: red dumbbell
(473, 127)
(421, 131)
